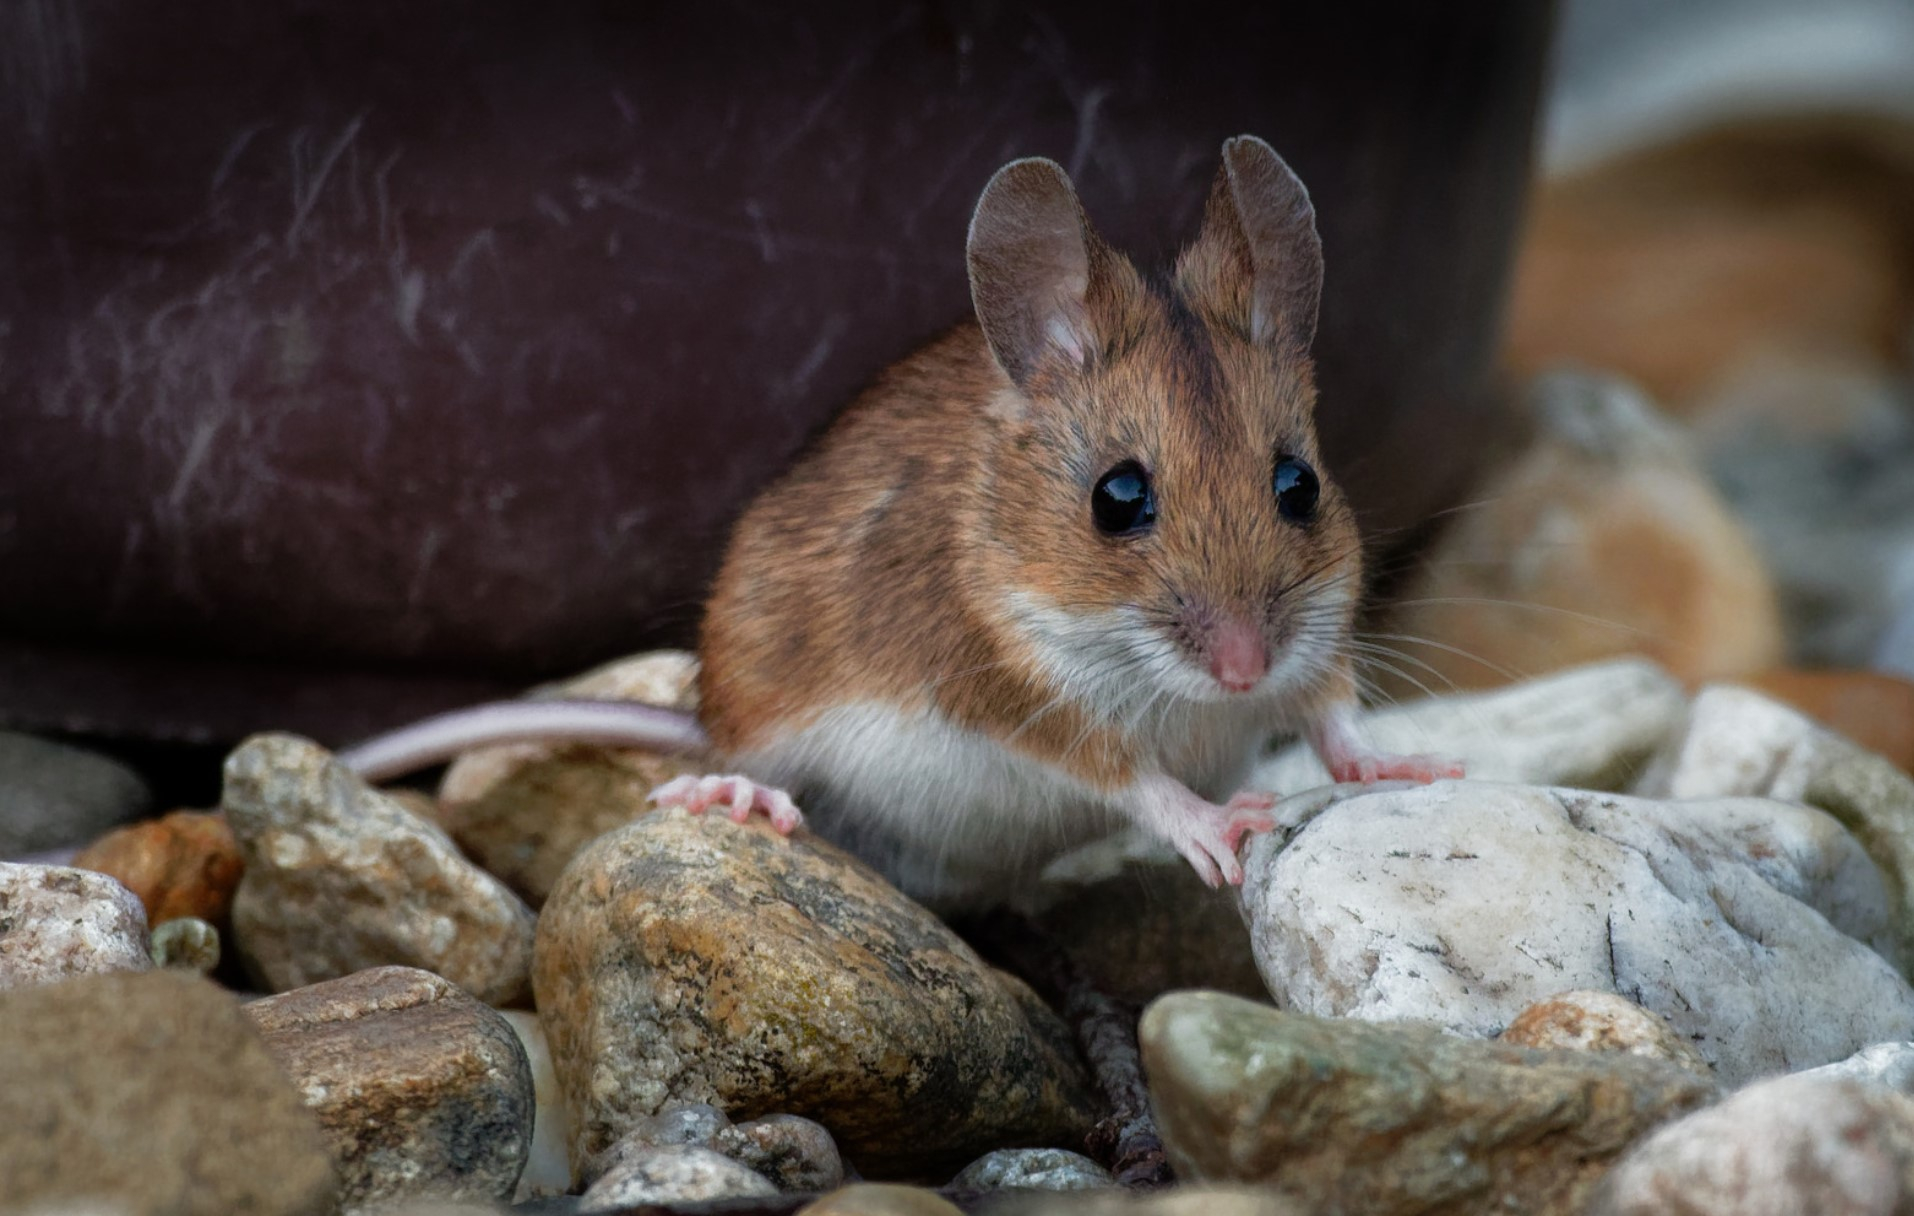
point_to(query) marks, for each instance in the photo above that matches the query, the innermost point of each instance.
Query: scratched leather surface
(430, 347)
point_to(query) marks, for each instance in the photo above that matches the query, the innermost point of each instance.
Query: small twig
(1124, 1141)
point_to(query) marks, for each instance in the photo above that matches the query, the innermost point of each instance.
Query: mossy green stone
(1386, 1119)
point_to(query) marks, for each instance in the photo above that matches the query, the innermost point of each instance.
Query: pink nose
(1239, 657)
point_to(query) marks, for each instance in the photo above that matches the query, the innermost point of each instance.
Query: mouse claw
(739, 796)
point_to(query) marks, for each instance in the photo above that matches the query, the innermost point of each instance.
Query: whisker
(1358, 645)
(1483, 601)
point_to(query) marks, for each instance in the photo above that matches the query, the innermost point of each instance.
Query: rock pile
(1654, 950)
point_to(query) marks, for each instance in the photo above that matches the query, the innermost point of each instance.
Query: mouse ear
(1260, 220)
(1030, 253)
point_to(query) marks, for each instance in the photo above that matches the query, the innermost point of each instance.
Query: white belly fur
(955, 818)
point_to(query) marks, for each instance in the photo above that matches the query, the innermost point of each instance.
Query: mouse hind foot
(737, 796)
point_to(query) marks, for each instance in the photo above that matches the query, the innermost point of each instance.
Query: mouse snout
(1238, 654)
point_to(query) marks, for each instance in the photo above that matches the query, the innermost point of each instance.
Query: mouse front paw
(739, 796)
(1205, 834)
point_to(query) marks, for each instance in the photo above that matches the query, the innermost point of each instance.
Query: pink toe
(1243, 826)
(784, 815)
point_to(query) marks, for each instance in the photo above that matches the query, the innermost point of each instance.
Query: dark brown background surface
(363, 357)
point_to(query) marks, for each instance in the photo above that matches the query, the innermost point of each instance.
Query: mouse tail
(439, 739)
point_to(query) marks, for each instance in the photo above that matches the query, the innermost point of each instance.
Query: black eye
(1122, 502)
(1296, 489)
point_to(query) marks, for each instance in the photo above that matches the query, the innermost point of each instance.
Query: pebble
(1605, 537)
(340, 878)
(691, 959)
(672, 1173)
(183, 864)
(1737, 742)
(1585, 1020)
(57, 922)
(523, 810)
(187, 942)
(1343, 1115)
(1782, 1147)
(694, 1123)
(422, 1091)
(881, 1199)
(548, 1169)
(1593, 727)
(791, 1152)
(1037, 1169)
(1744, 922)
(58, 795)
(150, 1095)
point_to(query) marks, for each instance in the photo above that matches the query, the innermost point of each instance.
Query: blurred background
(360, 360)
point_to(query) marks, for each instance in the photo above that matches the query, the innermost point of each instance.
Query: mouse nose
(1239, 654)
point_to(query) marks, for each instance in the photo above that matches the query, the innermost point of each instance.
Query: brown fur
(876, 568)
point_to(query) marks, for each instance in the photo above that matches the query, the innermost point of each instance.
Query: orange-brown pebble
(1600, 1021)
(1871, 708)
(182, 864)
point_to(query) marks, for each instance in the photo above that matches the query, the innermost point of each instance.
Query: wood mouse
(1066, 568)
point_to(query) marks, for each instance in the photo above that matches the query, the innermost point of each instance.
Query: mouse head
(1158, 510)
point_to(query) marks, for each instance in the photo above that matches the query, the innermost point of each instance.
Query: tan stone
(150, 1094)
(340, 878)
(183, 864)
(537, 813)
(691, 959)
(881, 1199)
(1342, 1115)
(422, 1091)
(1587, 1020)
(523, 810)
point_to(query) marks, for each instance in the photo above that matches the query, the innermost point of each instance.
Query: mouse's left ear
(1259, 258)
(1032, 256)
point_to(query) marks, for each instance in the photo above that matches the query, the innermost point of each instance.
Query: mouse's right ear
(1031, 254)
(1259, 259)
